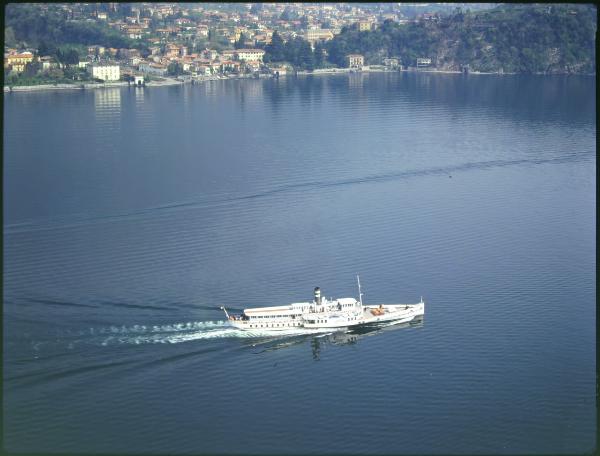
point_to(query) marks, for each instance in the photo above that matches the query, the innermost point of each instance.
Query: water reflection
(107, 110)
(107, 100)
(252, 89)
(529, 98)
(352, 336)
(139, 95)
(280, 90)
(357, 80)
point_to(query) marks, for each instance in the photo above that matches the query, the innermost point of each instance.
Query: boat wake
(67, 341)
(184, 332)
(201, 203)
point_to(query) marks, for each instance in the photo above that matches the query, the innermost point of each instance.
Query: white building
(355, 60)
(250, 55)
(392, 62)
(106, 72)
(48, 62)
(318, 34)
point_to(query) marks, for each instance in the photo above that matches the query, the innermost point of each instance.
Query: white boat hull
(322, 314)
(396, 313)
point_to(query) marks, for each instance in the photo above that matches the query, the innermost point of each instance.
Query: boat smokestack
(318, 296)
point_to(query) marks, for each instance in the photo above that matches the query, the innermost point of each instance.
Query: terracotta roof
(23, 55)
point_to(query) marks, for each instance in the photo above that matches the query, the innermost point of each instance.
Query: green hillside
(512, 38)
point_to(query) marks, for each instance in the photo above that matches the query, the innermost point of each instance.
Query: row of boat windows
(277, 325)
(325, 321)
(274, 325)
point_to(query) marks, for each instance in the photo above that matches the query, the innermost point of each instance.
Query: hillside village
(196, 40)
(80, 43)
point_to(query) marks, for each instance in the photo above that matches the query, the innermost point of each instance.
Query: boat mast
(359, 292)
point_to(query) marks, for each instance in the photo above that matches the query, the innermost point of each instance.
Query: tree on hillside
(125, 9)
(306, 56)
(286, 15)
(298, 52)
(319, 54)
(241, 43)
(174, 69)
(388, 26)
(9, 37)
(337, 50)
(67, 56)
(276, 48)
(304, 22)
(46, 49)
(32, 69)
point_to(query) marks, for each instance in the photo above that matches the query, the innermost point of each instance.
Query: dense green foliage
(296, 51)
(514, 38)
(175, 69)
(31, 25)
(33, 75)
(241, 42)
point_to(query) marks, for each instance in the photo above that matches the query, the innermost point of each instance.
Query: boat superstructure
(324, 313)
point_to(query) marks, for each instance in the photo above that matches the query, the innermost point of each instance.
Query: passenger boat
(323, 313)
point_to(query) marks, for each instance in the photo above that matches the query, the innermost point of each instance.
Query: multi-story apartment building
(250, 55)
(364, 26)
(202, 30)
(106, 72)
(17, 62)
(318, 34)
(355, 60)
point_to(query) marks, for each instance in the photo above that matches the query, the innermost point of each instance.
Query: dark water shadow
(342, 337)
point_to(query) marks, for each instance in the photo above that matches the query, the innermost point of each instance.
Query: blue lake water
(131, 215)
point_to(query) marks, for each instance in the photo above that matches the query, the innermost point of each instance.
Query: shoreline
(383, 70)
(87, 86)
(201, 79)
(41, 87)
(93, 86)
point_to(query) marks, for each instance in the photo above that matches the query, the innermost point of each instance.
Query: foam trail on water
(189, 331)
(150, 329)
(237, 333)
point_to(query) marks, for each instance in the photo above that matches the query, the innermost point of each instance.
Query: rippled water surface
(131, 215)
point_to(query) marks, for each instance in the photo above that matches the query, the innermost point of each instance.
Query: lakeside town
(177, 43)
(86, 45)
